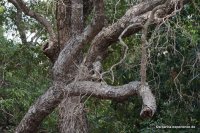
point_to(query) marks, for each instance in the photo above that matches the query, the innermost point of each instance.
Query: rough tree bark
(72, 77)
(71, 110)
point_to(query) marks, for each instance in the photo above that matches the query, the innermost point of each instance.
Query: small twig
(145, 43)
(116, 10)
(125, 52)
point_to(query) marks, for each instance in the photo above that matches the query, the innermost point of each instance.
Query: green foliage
(23, 78)
(173, 74)
(2, 9)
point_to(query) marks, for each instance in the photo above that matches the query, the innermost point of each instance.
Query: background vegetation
(173, 73)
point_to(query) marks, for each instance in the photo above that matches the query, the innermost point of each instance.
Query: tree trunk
(64, 49)
(72, 118)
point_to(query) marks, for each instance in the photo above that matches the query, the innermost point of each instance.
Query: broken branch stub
(51, 49)
(149, 102)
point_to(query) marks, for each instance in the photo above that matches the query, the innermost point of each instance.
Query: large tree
(77, 71)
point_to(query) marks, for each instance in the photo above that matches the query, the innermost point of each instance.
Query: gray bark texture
(72, 77)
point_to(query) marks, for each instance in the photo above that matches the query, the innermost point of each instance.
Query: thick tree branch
(42, 108)
(76, 43)
(66, 57)
(138, 14)
(63, 21)
(123, 92)
(102, 90)
(77, 17)
(49, 101)
(50, 48)
(20, 4)
(98, 21)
